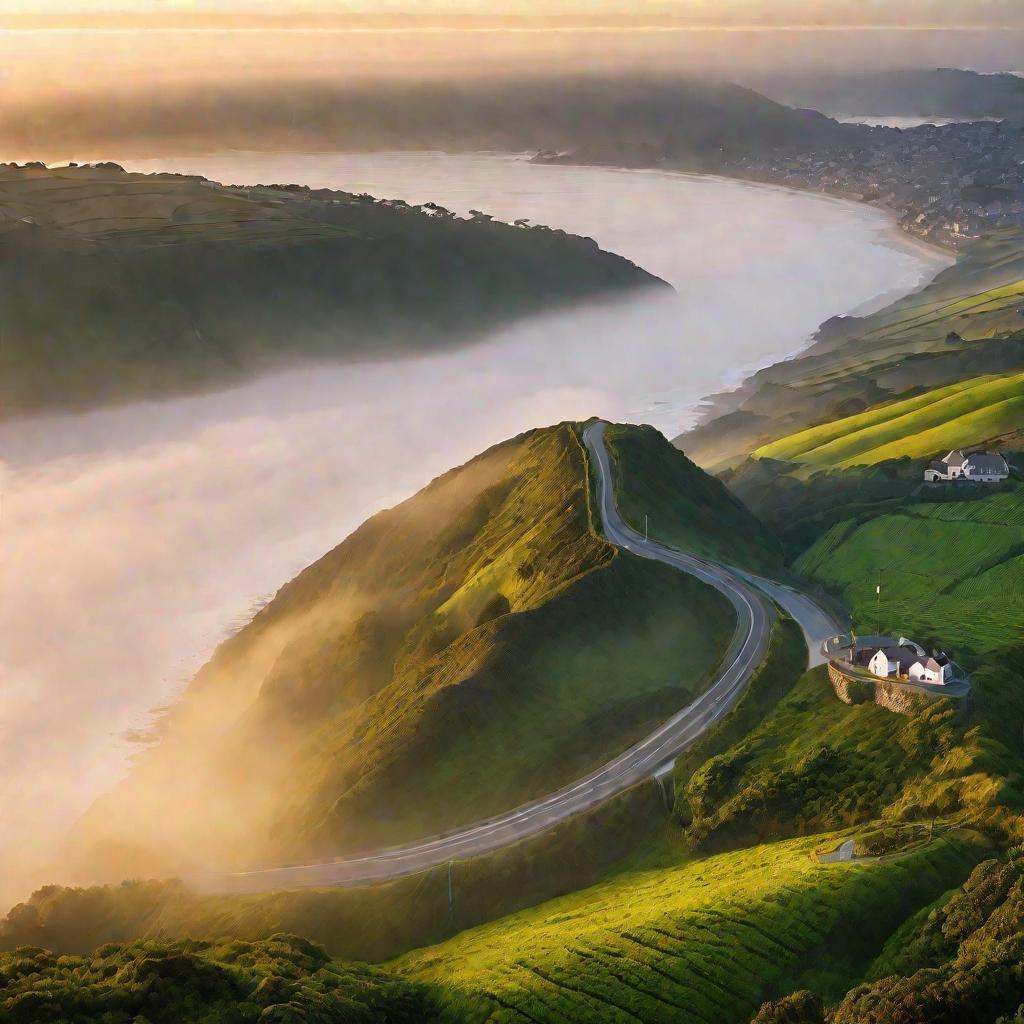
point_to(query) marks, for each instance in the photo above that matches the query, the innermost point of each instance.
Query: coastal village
(946, 183)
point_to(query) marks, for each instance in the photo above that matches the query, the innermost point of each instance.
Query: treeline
(282, 980)
(212, 285)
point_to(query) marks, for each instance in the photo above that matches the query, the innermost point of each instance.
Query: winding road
(653, 756)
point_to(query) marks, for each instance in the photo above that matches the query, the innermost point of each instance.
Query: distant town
(945, 184)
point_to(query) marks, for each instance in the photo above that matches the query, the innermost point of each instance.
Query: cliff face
(120, 286)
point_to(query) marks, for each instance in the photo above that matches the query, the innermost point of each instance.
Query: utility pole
(451, 896)
(646, 517)
(878, 603)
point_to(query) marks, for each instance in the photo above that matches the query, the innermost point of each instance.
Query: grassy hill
(474, 647)
(726, 908)
(964, 327)
(120, 286)
(969, 414)
(705, 941)
(685, 507)
(957, 960)
(949, 570)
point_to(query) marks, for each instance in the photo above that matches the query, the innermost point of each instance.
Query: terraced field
(703, 942)
(952, 570)
(965, 414)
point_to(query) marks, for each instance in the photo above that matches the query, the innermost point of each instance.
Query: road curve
(651, 756)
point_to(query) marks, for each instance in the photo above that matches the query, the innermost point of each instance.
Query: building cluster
(944, 183)
(901, 660)
(979, 467)
(905, 660)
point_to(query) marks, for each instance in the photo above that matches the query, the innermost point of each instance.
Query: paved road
(652, 756)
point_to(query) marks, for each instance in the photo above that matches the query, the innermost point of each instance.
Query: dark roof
(903, 656)
(987, 462)
(941, 467)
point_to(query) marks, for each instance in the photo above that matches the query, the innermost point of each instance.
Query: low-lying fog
(134, 538)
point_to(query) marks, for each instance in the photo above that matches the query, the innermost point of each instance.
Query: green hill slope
(968, 414)
(474, 647)
(964, 326)
(958, 961)
(950, 570)
(120, 286)
(684, 506)
(695, 942)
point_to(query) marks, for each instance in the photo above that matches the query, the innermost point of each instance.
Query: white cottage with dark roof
(906, 660)
(982, 467)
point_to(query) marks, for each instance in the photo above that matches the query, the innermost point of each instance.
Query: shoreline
(892, 235)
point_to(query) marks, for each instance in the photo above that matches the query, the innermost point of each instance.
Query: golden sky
(860, 12)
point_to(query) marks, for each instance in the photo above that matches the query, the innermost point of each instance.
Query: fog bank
(134, 538)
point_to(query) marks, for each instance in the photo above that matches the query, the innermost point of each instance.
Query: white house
(984, 467)
(907, 660)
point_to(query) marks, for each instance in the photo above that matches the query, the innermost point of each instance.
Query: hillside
(963, 327)
(284, 978)
(683, 505)
(617, 119)
(975, 413)
(949, 570)
(958, 960)
(903, 92)
(474, 647)
(122, 286)
(692, 942)
(726, 907)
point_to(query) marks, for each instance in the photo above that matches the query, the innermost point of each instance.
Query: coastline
(940, 256)
(889, 233)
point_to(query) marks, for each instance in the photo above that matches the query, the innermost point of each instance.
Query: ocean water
(134, 538)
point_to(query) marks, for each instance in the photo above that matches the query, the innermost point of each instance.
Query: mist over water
(133, 538)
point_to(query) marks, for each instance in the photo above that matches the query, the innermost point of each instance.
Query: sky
(860, 12)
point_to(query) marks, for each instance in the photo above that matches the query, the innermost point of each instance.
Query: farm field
(953, 571)
(703, 942)
(961, 415)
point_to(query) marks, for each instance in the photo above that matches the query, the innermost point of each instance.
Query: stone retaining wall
(895, 697)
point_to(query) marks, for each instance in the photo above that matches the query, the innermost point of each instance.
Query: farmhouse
(984, 467)
(905, 660)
